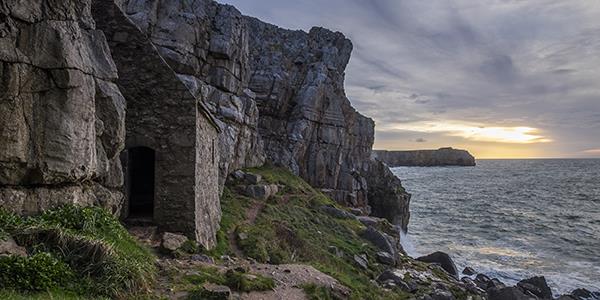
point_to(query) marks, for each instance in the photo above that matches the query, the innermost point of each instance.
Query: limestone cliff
(277, 95)
(426, 158)
(306, 120)
(61, 114)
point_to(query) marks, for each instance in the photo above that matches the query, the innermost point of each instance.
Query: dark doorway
(141, 182)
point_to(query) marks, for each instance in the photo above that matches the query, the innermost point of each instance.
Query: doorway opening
(141, 163)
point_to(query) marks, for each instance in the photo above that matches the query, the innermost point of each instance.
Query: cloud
(592, 151)
(474, 132)
(503, 64)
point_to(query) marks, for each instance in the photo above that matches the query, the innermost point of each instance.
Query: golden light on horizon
(481, 140)
(476, 132)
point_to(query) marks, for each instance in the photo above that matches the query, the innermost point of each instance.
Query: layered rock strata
(426, 158)
(61, 114)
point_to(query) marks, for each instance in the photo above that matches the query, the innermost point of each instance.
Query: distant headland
(447, 156)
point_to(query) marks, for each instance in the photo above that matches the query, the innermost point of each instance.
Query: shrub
(39, 272)
(105, 259)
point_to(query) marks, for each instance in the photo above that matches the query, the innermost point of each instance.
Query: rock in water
(443, 259)
(507, 293)
(537, 286)
(469, 271)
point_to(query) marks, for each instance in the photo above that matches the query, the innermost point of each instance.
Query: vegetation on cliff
(291, 227)
(74, 250)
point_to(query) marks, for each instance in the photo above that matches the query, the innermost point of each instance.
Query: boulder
(383, 241)
(8, 246)
(507, 293)
(482, 281)
(396, 277)
(585, 294)
(172, 241)
(361, 261)
(443, 259)
(469, 271)
(252, 178)
(337, 213)
(261, 191)
(536, 286)
(214, 292)
(335, 251)
(386, 258)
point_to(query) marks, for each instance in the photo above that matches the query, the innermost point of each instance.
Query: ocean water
(511, 219)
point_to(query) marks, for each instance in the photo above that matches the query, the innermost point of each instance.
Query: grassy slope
(292, 229)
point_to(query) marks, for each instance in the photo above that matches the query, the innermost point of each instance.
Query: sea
(510, 219)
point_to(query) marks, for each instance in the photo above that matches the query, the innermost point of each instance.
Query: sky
(500, 78)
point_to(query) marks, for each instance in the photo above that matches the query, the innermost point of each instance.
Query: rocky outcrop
(387, 197)
(426, 158)
(61, 114)
(306, 121)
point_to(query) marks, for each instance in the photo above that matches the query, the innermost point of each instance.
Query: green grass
(238, 281)
(318, 292)
(47, 295)
(292, 229)
(81, 250)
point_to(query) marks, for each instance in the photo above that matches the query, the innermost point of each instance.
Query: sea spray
(407, 244)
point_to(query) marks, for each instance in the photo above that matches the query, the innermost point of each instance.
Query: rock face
(426, 158)
(387, 197)
(206, 44)
(71, 70)
(62, 117)
(306, 121)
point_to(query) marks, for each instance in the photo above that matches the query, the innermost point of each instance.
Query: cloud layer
(511, 68)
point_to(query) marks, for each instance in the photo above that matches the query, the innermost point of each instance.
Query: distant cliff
(426, 158)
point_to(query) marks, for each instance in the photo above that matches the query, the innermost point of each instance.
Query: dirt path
(250, 217)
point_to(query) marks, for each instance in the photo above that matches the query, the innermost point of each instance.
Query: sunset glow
(478, 132)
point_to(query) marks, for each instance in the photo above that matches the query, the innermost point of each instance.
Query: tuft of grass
(318, 292)
(96, 248)
(235, 280)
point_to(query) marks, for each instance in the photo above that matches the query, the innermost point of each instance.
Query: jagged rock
(357, 211)
(471, 286)
(252, 178)
(172, 241)
(387, 197)
(370, 221)
(386, 258)
(585, 294)
(443, 259)
(335, 251)
(337, 213)
(507, 293)
(261, 191)
(482, 281)
(395, 276)
(379, 239)
(8, 246)
(361, 261)
(238, 175)
(426, 158)
(202, 258)
(441, 295)
(536, 286)
(214, 292)
(469, 271)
